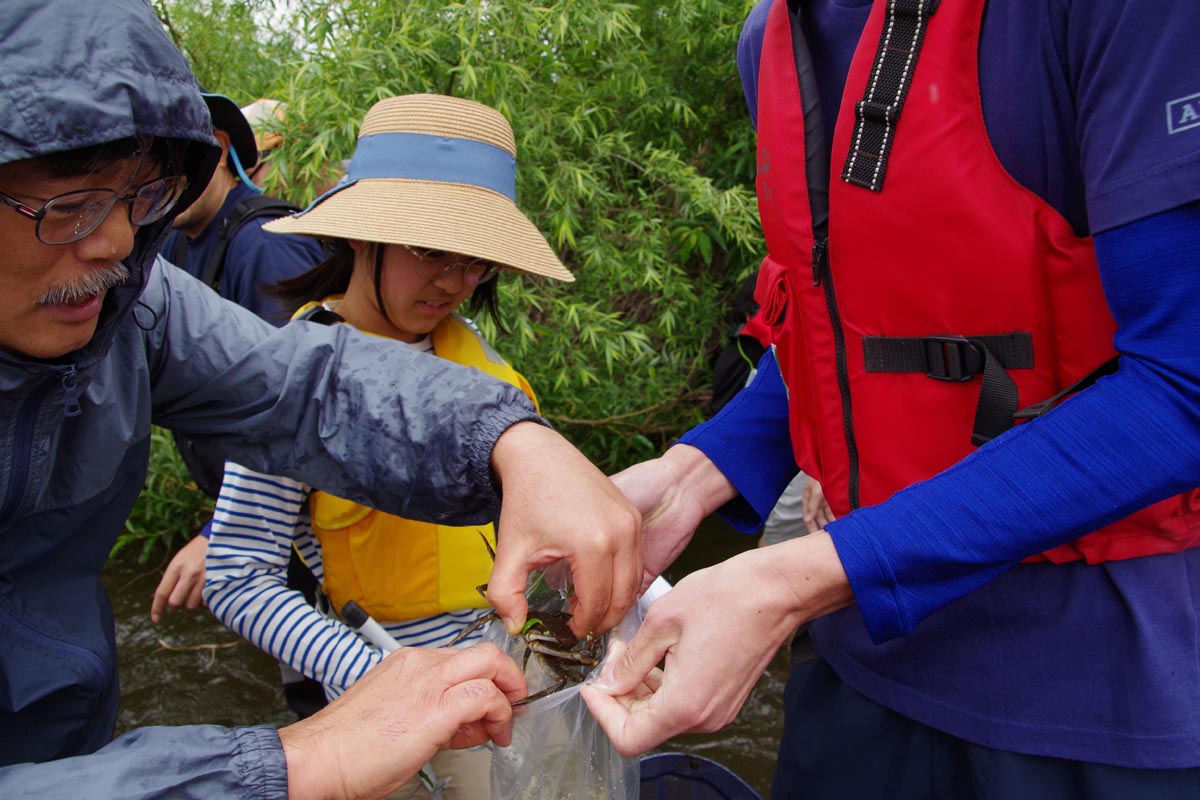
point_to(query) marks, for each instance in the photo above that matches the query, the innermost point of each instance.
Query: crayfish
(547, 635)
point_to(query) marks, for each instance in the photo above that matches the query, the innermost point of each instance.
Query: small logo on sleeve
(1183, 114)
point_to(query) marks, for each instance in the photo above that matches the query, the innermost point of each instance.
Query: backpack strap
(259, 205)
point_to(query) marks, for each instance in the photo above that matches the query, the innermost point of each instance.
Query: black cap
(228, 117)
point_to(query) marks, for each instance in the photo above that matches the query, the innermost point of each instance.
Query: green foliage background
(635, 159)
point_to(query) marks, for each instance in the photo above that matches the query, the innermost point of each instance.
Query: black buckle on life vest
(877, 112)
(952, 358)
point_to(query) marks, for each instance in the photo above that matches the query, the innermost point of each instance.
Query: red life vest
(886, 317)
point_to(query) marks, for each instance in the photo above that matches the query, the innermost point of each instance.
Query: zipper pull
(820, 251)
(70, 385)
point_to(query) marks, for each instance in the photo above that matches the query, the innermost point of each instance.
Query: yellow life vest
(400, 569)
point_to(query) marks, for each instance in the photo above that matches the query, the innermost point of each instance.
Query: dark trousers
(838, 744)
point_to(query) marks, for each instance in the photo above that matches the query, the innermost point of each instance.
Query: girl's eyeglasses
(435, 264)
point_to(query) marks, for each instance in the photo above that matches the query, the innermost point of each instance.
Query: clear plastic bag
(558, 749)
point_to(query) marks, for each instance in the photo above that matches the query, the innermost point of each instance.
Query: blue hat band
(428, 157)
(423, 156)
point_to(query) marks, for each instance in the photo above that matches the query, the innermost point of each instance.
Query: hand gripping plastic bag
(558, 750)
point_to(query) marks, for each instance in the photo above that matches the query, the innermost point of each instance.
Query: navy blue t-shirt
(254, 259)
(1092, 106)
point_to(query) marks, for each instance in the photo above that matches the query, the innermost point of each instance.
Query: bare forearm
(808, 573)
(699, 482)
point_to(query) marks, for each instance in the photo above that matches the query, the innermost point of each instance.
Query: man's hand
(717, 630)
(386, 726)
(183, 580)
(674, 493)
(557, 505)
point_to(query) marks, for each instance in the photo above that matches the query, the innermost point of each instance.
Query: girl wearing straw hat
(423, 221)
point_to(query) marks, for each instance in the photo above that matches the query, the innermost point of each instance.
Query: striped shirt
(258, 520)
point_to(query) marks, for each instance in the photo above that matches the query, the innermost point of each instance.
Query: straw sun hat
(437, 172)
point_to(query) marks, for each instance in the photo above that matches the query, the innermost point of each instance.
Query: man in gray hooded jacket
(103, 136)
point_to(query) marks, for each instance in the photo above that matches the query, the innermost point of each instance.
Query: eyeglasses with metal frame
(435, 264)
(72, 216)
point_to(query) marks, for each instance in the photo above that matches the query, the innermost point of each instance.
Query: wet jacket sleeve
(1128, 441)
(364, 417)
(149, 763)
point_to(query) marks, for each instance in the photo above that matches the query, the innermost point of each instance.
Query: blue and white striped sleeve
(245, 586)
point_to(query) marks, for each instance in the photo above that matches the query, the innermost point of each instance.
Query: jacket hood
(77, 74)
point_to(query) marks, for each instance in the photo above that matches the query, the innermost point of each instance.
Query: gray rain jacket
(360, 416)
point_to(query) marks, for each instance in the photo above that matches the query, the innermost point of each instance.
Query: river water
(191, 669)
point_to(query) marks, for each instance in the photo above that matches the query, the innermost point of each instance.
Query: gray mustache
(90, 285)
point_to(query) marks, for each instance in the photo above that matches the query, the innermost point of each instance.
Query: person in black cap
(219, 239)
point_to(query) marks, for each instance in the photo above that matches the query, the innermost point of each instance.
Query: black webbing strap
(959, 359)
(997, 403)
(946, 358)
(252, 207)
(1038, 409)
(878, 112)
